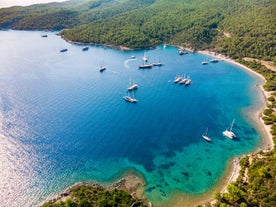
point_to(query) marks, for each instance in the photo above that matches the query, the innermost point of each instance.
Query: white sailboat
(85, 48)
(133, 86)
(188, 82)
(130, 99)
(102, 68)
(145, 65)
(183, 80)
(214, 60)
(145, 59)
(228, 132)
(205, 136)
(177, 78)
(204, 62)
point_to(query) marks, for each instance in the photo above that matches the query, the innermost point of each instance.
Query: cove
(62, 121)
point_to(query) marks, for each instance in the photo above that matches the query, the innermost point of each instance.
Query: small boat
(144, 66)
(183, 80)
(102, 68)
(157, 63)
(64, 50)
(228, 132)
(130, 99)
(177, 79)
(165, 45)
(214, 60)
(145, 59)
(44, 35)
(188, 82)
(85, 48)
(204, 62)
(132, 57)
(205, 136)
(133, 86)
(182, 52)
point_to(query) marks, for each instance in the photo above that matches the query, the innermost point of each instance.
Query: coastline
(257, 116)
(129, 182)
(232, 168)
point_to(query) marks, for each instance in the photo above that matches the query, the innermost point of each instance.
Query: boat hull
(129, 99)
(206, 138)
(229, 134)
(145, 66)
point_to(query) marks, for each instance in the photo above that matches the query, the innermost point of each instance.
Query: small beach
(257, 116)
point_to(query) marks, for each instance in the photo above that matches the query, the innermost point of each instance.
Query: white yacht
(177, 79)
(188, 81)
(145, 66)
(183, 80)
(130, 99)
(205, 136)
(133, 86)
(102, 68)
(214, 60)
(85, 48)
(228, 132)
(159, 63)
(145, 59)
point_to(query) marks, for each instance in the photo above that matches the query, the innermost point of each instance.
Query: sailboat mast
(232, 125)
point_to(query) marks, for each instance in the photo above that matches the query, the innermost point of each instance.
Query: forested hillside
(238, 28)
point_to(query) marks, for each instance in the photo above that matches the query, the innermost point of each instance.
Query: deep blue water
(63, 121)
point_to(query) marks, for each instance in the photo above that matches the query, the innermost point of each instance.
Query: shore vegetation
(237, 29)
(94, 195)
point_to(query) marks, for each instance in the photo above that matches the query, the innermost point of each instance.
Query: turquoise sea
(62, 121)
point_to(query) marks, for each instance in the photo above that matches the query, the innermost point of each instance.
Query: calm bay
(62, 121)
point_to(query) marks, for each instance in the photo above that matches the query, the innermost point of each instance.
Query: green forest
(86, 195)
(238, 28)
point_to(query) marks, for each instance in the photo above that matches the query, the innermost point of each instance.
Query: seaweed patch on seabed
(169, 154)
(149, 189)
(167, 166)
(160, 173)
(186, 174)
(162, 193)
(209, 173)
(176, 180)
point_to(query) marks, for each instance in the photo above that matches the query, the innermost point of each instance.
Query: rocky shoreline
(130, 183)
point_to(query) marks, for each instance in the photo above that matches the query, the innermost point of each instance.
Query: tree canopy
(244, 28)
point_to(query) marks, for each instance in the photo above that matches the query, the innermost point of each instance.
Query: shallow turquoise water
(62, 121)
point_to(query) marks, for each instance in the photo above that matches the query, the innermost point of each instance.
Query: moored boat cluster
(182, 80)
(227, 133)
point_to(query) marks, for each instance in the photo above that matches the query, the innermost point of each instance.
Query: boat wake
(114, 72)
(127, 61)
